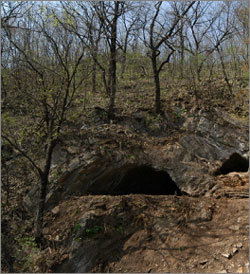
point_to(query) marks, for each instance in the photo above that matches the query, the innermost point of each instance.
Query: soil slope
(146, 233)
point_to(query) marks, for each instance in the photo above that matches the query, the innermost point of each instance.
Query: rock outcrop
(109, 211)
(209, 144)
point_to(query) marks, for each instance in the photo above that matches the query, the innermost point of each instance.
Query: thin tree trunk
(44, 179)
(94, 77)
(112, 84)
(94, 66)
(6, 185)
(157, 94)
(124, 57)
(113, 63)
(157, 85)
(182, 56)
(41, 206)
(123, 63)
(224, 72)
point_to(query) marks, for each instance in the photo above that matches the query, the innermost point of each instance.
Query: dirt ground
(146, 233)
(216, 246)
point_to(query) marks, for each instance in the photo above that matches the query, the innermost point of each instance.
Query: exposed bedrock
(210, 145)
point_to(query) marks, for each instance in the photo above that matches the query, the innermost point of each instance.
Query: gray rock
(239, 245)
(55, 210)
(30, 198)
(187, 162)
(234, 227)
(226, 255)
(203, 262)
(59, 156)
(205, 215)
(235, 250)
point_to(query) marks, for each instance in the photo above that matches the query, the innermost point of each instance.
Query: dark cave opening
(234, 163)
(146, 180)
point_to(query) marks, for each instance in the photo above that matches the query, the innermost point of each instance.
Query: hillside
(125, 136)
(203, 229)
(143, 233)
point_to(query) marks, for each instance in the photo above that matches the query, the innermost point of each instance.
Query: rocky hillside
(124, 136)
(129, 198)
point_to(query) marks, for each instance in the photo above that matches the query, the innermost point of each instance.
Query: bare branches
(23, 153)
(52, 57)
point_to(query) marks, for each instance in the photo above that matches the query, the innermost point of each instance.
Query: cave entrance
(235, 163)
(145, 180)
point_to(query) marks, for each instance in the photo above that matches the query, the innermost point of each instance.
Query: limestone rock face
(210, 145)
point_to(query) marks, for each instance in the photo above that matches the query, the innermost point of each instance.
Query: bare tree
(88, 29)
(130, 25)
(241, 14)
(108, 14)
(206, 34)
(51, 67)
(157, 34)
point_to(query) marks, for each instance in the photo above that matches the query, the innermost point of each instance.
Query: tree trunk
(112, 84)
(182, 55)
(94, 66)
(124, 59)
(39, 221)
(157, 85)
(124, 56)
(6, 186)
(113, 63)
(44, 179)
(225, 72)
(94, 77)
